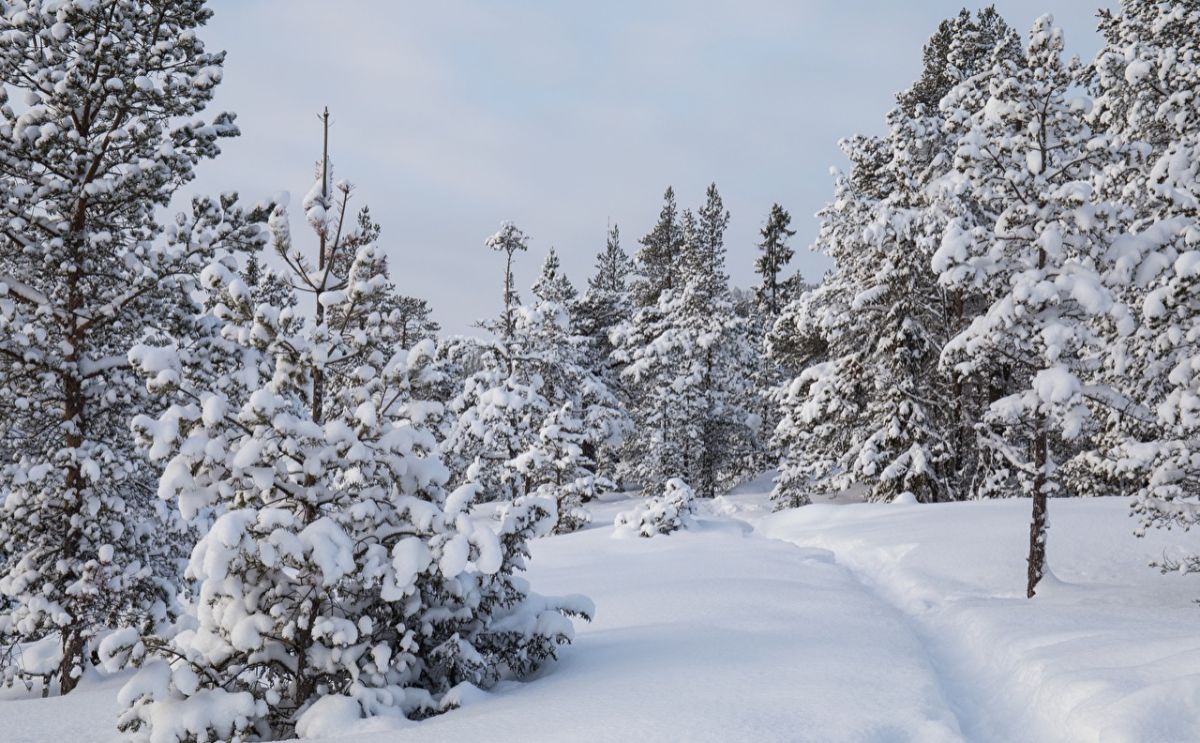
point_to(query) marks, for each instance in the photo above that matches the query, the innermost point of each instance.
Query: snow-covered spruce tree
(1028, 157)
(870, 405)
(820, 408)
(724, 356)
(761, 309)
(524, 381)
(575, 376)
(604, 305)
(337, 579)
(105, 127)
(561, 359)
(552, 284)
(866, 408)
(1147, 85)
(658, 263)
(774, 290)
(687, 363)
(559, 467)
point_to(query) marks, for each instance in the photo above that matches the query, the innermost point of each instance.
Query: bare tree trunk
(1038, 526)
(72, 645)
(74, 425)
(508, 293)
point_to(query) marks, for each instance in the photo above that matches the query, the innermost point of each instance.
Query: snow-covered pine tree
(659, 261)
(414, 317)
(337, 578)
(500, 405)
(1028, 157)
(510, 240)
(662, 514)
(560, 469)
(961, 48)
(687, 363)
(523, 381)
(1147, 84)
(870, 405)
(604, 305)
(774, 290)
(495, 417)
(106, 126)
(552, 284)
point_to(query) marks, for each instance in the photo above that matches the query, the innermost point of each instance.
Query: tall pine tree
(107, 128)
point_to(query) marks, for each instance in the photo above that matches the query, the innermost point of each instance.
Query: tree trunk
(1037, 527)
(72, 645)
(74, 424)
(508, 293)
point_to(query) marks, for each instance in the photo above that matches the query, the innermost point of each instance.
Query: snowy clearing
(857, 622)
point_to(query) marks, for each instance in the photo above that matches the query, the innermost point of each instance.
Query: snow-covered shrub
(336, 566)
(661, 514)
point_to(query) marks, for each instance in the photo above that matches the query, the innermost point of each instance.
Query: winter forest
(250, 490)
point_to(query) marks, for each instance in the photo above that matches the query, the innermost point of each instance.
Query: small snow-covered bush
(662, 514)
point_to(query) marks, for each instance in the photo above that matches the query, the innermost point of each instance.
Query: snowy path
(983, 716)
(714, 635)
(1107, 652)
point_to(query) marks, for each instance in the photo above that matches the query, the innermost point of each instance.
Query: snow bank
(858, 623)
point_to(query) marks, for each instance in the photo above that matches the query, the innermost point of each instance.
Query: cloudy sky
(451, 116)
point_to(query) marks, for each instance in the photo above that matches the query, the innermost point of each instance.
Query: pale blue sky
(452, 116)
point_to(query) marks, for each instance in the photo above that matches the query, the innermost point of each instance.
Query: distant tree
(552, 284)
(658, 263)
(509, 240)
(531, 390)
(686, 362)
(604, 305)
(613, 266)
(772, 292)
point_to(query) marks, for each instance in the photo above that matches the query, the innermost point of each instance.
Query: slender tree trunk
(72, 645)
(74, 426)
(318, 376)
(1038, 525)
(508, 292)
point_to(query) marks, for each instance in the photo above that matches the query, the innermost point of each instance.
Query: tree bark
(1038, 525)
(72, 645)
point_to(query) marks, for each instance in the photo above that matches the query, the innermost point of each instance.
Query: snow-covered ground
(832, 622)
